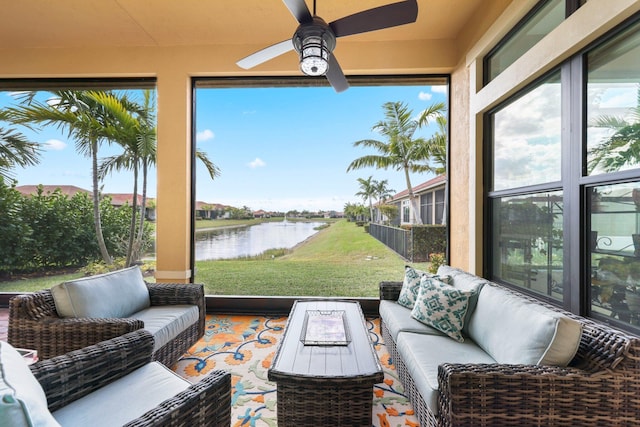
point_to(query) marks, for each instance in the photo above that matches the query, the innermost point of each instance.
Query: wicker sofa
(85, 311)
(112, 383)
(599, 386)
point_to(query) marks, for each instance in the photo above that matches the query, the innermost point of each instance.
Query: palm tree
(367, 192)
(130, 131)
(382, 191)
(438, 146)
(86, 120)
(136, 133)
(15, 150)
(402, 151)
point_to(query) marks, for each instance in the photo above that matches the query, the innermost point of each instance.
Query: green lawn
(341, 260)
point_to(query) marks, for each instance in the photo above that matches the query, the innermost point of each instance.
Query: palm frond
(213, 170)
(377, 161)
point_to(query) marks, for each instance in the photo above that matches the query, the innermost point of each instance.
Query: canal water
(235, 242)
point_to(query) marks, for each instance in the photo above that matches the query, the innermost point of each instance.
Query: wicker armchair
(34, 323)
(601, 386)
(79, 373)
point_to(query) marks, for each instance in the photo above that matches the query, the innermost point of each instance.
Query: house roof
(68, 190)
(120, 199)
(117, 199)
(420, 188)
(211, 206)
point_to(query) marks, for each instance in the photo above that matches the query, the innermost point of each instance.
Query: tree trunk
(134, 211)
(414, 217)
(96, 205)
(140, 234)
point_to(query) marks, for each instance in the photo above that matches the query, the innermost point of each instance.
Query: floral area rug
(245, 346)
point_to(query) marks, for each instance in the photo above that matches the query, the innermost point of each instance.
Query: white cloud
(55, 145)
(424, 96)
(204, 135)
(257, 163)
(439, 89)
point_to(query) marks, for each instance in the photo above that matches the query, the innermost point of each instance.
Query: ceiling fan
(314, 39)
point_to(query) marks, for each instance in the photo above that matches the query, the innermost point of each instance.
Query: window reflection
(538, 25)
(526, 138)
(615, 251)
(613, 105)
(527, 242)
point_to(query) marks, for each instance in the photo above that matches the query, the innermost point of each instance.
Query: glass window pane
(427, 208)
(440, 207)
(527, 242)
(614, 247)
(613, 105)
(531, 32)
(526, 138)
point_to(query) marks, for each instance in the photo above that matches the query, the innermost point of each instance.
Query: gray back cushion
(515, 330)
(465, 282)
(116, 294)
(22, 400)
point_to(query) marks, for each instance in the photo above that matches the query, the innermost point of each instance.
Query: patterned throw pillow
(411, 285)
(442, 307)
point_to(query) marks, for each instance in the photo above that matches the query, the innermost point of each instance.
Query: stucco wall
(459, 182)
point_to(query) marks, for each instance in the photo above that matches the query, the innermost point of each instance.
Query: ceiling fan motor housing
(314, 41)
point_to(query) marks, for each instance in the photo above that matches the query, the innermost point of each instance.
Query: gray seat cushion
(124, 399)
(422, 354)
(165, 322)
(398, 319)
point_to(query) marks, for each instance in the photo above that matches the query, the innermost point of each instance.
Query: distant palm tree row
(402, 151)
(92, 118)
(370, 189)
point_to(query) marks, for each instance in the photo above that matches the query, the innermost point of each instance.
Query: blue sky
(278, 148)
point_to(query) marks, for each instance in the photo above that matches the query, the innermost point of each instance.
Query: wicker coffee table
(325, 366)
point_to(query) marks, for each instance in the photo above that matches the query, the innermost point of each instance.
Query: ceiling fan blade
(265, 54)
(335, 75)
(391, 15)
(299, 10)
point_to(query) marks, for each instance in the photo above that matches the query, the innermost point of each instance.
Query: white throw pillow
(442, 307)
(411, 285)
(116, 294)
(22, 400)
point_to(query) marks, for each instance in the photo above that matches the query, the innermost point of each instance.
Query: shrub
(51, 231)
(436, 260)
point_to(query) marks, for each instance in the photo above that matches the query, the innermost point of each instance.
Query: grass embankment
(340, 260)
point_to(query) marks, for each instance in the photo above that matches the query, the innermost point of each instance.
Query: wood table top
(357, 359)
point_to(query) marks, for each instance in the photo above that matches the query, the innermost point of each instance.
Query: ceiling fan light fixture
(314, 56)
(314, 42)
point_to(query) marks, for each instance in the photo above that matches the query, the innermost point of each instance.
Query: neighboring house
(333, 214)
(206, 210)
(121, 199)
(432, 203)
(260, 214)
